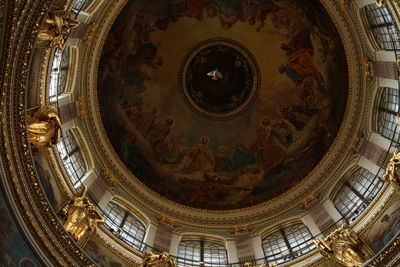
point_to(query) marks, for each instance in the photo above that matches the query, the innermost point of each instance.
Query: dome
(199, 133)
(233, 140)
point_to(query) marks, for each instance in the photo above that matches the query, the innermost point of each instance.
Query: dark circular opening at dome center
(219, 78)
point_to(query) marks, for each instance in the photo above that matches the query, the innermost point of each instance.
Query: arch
(356, 193)
(72, 158)
(125, 225)
(382, 25)
(287, 243)
(59, 74)
(387, 113)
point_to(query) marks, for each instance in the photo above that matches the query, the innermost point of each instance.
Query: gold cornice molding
(258, 212)
(23, 188)
(389, 256)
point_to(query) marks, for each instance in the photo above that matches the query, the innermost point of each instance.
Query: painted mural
(48, 183)
(14, 250)
(101, 255)
(386, 227)
(238, 162)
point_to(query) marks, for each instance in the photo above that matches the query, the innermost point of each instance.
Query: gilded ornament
(345, 3)
(380, 3)
(167, 221)
(242, 229)
(82, 217)
(110, 179)
(80, 101)
(44, 127)
(90, 33)
(344, 246)
(368, 66)
(392, 174)
(57, 28)
(310, 200)
(154, 260)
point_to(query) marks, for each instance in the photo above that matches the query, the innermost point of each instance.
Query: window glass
(383, 26)
(199, 252)
(387, 114)
(125, 225)
(287, 244)
(357, 193)
(71, 158)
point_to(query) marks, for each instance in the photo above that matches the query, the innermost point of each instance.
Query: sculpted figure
(154, 260)
(392, 174)
(344, 246)
(44, 127)
(82, 216)
(57, 27)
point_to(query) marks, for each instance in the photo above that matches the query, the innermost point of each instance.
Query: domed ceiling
(222, 104)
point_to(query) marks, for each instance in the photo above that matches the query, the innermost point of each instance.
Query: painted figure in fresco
(228, 11)
(222, 162)
(297, 115)
(157, 132)
(283, 132)
(199, 158)
(300, 65)
(242, 156)
(258, 11)
(263, 133)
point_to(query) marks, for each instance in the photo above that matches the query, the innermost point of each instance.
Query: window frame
(356, 194)
(278, 245)
(134, 237)
(201, 252)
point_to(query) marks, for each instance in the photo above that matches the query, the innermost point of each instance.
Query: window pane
(357, 193)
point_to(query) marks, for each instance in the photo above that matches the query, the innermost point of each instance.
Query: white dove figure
(215, 75)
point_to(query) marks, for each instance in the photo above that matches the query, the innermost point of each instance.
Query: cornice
(21, 182)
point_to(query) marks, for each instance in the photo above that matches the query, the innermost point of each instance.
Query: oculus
(219, 78)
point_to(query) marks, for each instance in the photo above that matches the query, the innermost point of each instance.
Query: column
(89, 177)
(244, 244)
(174, 245)
(331, 209)
(150, 235)
(231, 250)
(257, 247)
(163, 236)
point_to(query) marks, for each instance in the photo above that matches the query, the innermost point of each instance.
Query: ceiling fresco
(292, 73)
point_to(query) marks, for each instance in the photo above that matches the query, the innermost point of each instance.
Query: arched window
(287, 244)
(125, 225)
(357, 193)
(72, 158)
(80, 5)
(201, 252)
(383, 26)
(59, 73)
(388, 113)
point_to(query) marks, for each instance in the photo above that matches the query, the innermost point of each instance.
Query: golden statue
(153, 260)
(82, 217)
(380, 3)
(44, 127)
(344, 246)
(57, 27)
(392, 174)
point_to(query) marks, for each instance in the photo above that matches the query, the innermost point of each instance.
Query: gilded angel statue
(44, 127)
(344, 246)
(57, 27)
(153, 260)
(392, 174)
(82, 217)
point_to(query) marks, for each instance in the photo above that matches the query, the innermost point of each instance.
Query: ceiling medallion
(219, 78)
